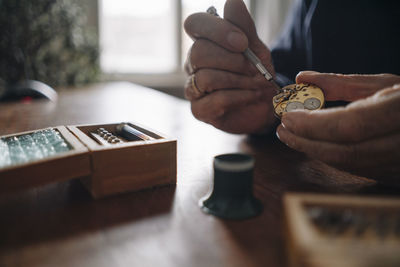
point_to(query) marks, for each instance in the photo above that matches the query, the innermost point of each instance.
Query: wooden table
(60, 225)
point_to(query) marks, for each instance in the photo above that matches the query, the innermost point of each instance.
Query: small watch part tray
(337, 230)
(104, 169)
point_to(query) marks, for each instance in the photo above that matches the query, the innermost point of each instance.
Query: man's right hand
(224, 88)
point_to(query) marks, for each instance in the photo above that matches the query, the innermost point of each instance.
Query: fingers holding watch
(363, 138)
(348, 87)
(361, 120)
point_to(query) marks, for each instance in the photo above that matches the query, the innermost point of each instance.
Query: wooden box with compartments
(342, 231)
(108, 158)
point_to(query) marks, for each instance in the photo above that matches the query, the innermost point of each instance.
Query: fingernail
(281, 137)
(277, 134)
(237, 40)
(305, 72)
(287, 123)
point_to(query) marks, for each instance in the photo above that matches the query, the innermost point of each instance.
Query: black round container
(232, 194)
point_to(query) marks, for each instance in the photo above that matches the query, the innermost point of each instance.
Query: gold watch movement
(298, 96)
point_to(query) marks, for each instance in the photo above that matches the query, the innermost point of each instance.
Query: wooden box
(104, 170)
(352, 231)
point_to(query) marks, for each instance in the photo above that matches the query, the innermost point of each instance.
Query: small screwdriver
(252, 57)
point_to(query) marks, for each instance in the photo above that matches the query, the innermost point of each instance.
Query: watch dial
(312, 103)
(293, 106)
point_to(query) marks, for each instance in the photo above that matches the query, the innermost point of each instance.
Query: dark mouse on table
(28, 88)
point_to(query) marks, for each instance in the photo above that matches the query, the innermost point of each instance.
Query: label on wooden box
(109, 163)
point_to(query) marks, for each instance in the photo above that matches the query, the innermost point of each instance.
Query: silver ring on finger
(197, 92)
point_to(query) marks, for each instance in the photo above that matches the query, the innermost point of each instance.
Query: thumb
(235, 11)
(347, 87)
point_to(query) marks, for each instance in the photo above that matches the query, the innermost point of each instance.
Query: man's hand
(363, 137)
(347, 87)
(231, 94)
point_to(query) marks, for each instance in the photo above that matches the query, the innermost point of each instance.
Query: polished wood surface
(61, 225)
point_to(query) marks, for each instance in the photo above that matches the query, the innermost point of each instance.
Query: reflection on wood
(60, 225)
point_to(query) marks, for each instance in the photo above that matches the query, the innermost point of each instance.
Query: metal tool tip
(212, 10)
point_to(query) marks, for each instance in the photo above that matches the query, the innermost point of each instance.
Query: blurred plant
(45, 41)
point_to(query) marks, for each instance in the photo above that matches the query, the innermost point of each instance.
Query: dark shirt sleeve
(338, 36)
(289, 52)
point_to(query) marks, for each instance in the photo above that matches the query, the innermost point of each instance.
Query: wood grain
(60, 225)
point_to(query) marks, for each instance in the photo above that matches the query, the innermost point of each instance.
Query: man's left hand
(362, 138)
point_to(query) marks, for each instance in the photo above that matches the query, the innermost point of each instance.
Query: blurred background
(71, 43)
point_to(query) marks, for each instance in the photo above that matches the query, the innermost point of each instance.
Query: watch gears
(298, 96)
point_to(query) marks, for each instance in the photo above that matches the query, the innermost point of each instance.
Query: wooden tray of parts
(105, 168)
(337, 230)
